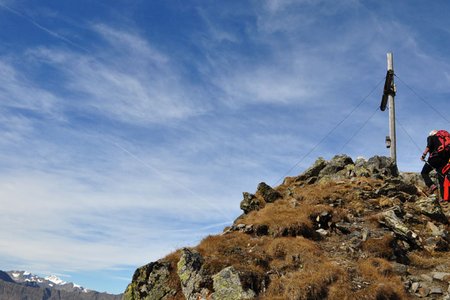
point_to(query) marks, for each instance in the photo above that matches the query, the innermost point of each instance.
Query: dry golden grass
(174, 280)
(386, 202)
(384, 284)
(283, 247)
(375, 268)
(312, 282)
(284, 220)
(292, 261)
(423, 259)
(379, 247)
(330, 192)
(291, 253)
(382, 291)
(320, 193)
(239, 250)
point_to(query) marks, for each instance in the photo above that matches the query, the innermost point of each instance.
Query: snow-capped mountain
(24, 277)
(24, 285)
(55, 280)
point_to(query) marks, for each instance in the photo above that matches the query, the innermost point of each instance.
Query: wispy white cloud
(216, 33)
(18, 91)
(8, 7)
(129, 81)
(70, 226)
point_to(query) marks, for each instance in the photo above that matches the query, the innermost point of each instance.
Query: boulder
(250, 203)
(151, 282)
(360, 168)
(413, 178)
(342, 166)
(336, 164)
(402, 185)
(314, 170)
(441, 276)
(267, 193)
(390, 220)
(189, 268)
(430, 207)
(227, 286)
(397, 188)
(381, 167)
(434, 230)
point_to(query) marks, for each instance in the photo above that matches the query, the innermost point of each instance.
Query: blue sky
(129, 129)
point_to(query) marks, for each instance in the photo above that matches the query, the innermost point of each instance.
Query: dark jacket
(433, 144)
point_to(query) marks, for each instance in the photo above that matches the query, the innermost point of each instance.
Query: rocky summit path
(343, 229)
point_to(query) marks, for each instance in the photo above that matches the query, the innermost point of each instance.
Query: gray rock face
(390, 220)
(189, 271)
(381, 166)
(441, 276)
(430, 207)
(402, 186)
(227, 286)
(342, 166)
(314, 170)
(267, 193)
(361, 168)
(264, 194)
(413, 178)
(397, 188)
(151, 282)
(336, 164)
(250, 203)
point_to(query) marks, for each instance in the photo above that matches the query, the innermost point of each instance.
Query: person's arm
(425, 152)
(427, 148)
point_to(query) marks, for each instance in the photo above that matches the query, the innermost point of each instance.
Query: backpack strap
(446, 169)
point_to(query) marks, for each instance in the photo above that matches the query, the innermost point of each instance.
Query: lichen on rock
(227, 286)
(189, 270)
(151, 282)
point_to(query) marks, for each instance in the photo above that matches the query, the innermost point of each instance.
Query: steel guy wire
(330, 132)
(423, 99)
(359, 129)
(409, 136)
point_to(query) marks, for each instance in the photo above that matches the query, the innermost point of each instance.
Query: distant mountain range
(18, 285)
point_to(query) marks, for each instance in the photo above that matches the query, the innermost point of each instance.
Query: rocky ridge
(343, 229)
(24, 285)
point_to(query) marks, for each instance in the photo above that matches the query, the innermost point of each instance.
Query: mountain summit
(343, 229)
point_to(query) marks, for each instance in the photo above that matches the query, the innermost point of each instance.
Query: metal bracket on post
(388, 142)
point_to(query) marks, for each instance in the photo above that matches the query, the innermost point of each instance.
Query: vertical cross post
(393, 148)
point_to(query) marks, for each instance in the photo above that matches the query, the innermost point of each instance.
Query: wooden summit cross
(388, 98)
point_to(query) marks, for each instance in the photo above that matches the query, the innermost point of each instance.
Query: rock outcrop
(189, 269)
(228, 286)
(152, 281)
(342, 229)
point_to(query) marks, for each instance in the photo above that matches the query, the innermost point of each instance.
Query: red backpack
(444, 139)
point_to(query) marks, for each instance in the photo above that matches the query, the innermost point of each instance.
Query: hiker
(436, 160)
